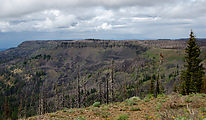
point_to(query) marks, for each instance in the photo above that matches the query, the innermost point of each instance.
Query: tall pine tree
(193, 75)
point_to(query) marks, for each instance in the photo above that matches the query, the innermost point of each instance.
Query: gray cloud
(10, 8)
(104, 18)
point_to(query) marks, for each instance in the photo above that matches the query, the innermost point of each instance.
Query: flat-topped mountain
(28, 47)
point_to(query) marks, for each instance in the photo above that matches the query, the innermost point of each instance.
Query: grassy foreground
(170, 107)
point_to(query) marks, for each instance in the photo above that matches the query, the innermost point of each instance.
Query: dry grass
(162, 108)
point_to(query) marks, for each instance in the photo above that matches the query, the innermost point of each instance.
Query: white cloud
(59, 21)
(104, 26)
(3, 26)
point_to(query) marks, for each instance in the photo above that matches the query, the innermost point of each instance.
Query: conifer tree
(7, 111)
(157, 90)
(152, 84)
(192, 77)
(204, 85)
(100, 91)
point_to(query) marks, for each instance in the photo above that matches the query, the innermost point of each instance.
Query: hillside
(38, 77)
(170, 107)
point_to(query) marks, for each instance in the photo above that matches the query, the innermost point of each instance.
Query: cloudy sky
(22, 20)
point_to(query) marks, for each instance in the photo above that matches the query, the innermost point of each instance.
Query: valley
(39, 77)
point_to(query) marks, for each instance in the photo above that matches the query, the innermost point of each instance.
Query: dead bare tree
(62, 96)
(78, 87)
(100, 87)
(157, 91)
(20, 109)
(100, 92)
(125, 83)
(56, 99)
(41, 101)
(112, 82)
(84, 91)
(107, 86)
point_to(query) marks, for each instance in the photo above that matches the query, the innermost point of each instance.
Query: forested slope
(45, 76)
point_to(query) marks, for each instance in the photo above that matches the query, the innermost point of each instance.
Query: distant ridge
(2, 49)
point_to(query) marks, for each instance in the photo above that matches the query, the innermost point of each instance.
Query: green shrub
(96, 104)
(180, 95)
(132, 101)
(161, 95)
(163, 101)
(201, 95)
(203, 109)
(94, 109)
(123, 109)
(158, 106)
(80, 118)
(135, 98)
(188, 100)
(147, 116)
(65, 109)
(148, 97)
(192, 95)
(123, 117)
(135, 109)
(104, 108)
(105, 114)
(71, 111)
(182, 118)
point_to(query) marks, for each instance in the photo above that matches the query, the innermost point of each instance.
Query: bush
(182, 118)
(65, 109)
(188, 100)
(71, 111)
(135, 109)
(158, 106)
(163, 101)
(148, 97)
(105, 114)
(132, 101)
(123, 109)
(80, 118)
(96, 104)
(123, 117)
(104, 107)
(161, 95)
(135, 98)
(201, 95)
(203, 109)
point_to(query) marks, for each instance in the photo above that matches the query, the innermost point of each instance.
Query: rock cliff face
(171, 44)
(45, 76)
(100, 44)
(26, 48)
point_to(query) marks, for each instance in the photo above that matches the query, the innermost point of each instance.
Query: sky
(22, 20)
